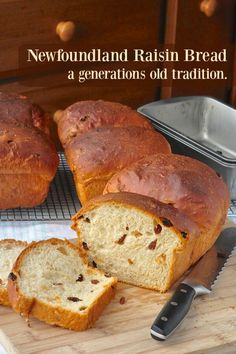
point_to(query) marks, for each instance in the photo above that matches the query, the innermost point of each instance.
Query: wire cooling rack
(62, 202)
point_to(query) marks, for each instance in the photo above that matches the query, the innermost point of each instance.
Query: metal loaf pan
(199, 127)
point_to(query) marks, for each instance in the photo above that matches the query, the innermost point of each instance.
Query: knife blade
(199, 281)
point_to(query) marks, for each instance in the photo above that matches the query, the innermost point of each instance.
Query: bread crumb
(137, 233)
(161, 259)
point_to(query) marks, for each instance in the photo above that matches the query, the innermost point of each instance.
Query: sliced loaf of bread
(137, 239)
(52, 282)
(9, 251)
(189, 185)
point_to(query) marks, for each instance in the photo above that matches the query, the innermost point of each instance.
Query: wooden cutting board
(210, 326)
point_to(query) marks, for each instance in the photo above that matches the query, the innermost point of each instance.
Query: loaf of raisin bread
(83, 116)
(137, 239)
(28, 159)
(94, 157)
(188, 184)
(18, 110)
(9, 251)
(51, 281)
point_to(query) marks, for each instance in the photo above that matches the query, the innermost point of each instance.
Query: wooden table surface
(210, 326)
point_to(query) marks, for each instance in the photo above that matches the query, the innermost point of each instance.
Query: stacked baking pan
(200, 127)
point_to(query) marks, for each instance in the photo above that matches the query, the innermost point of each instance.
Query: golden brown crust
(26, 150)
(18, 110)
(91, 189)
(28, 160)
(106, 150)
(10, 241)
(13, 189)
(3, 291)
(51, 314)
(148, 205)
(95, 156)
(4, 297)
(85, 115)
(189, 185)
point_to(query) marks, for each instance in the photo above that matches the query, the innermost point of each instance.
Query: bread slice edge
(4, 300)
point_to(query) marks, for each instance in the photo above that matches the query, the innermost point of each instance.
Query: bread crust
(83, 116)
(90, 189)
(102, 152)
(18, 110)
(56, 315)
(28, 159)
(13, 189)
(188, 184)
(3, 291)
(26, 150)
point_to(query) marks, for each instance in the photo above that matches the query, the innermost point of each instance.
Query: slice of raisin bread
(52, 282)
(9, 251)
(137, 239)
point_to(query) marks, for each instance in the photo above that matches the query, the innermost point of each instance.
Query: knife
(198, 282)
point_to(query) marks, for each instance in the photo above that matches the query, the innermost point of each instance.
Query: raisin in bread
(52, 282)
(94, 157)
(137, 239)
(188, 184)
(9, 251)
(83, 116)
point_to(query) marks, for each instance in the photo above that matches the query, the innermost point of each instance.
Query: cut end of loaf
(52, 282)
(131, 244)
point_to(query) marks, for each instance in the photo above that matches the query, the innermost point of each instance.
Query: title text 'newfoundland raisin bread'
(137, 239)
(52, 282)
(189, 185)
(94, 157)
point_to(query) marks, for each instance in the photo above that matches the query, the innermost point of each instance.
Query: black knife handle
(173, 312)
